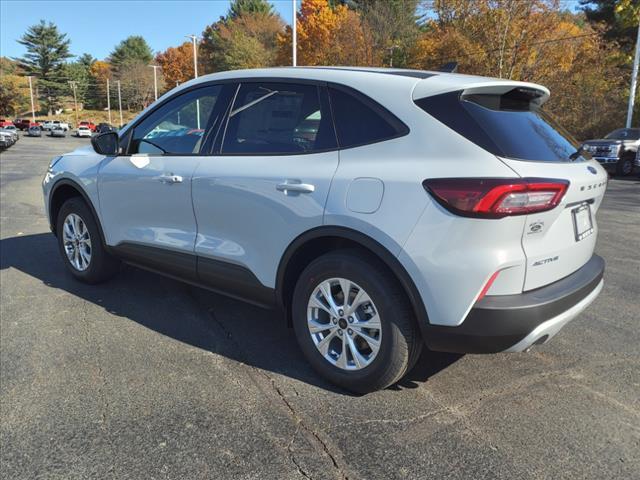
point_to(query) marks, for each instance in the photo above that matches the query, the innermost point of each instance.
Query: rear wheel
(354, 323)
(80, 243)
(624, 167)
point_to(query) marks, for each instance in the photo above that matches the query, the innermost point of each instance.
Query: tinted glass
(178, 126)
(625, 134)
(359, 120)
(277, 118)
(505, 125)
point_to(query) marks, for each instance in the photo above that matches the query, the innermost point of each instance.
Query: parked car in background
(378, 209)
(22, 123)
(6, 139)
(104, 127)
(49, 124)
(4, 122)
(92, 126)
(34, 131)
(83, 131)
(617, 150)
(25, 123)
(13, 129)
(57, 131)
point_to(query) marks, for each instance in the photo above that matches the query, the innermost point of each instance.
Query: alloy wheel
(344, 324)
(77, 242)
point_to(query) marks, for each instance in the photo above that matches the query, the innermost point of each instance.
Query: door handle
(294, 186)
(170, 179)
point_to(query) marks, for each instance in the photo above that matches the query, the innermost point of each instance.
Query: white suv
(378, 209)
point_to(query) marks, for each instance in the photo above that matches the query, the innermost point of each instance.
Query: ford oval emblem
(592, 170)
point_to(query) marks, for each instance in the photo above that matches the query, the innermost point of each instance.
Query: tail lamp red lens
(496, 197)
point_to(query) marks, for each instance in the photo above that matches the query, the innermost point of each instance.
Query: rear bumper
(513, 323)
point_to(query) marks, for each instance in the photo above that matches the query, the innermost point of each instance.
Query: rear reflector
(496, 197)
(487, 286)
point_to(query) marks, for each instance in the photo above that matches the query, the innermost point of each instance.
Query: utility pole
(119, 102)
(75, 100)
(194, 40)
(155, 80)
(294, 28)
(33, 108)
(108, 102)
(634, 80)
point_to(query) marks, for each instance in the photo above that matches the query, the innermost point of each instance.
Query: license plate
(582, 223)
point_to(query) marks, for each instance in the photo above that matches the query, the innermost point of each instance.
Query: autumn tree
(177, 64)
(531, 41)
(620, 18)
(245, 38)
(393, 25)
(328, 36)
(99, 72)
(137, 85)
(14, 89)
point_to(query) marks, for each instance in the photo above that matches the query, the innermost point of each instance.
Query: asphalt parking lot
(144, 377)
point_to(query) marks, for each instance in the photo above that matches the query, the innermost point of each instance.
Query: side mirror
(105, 143)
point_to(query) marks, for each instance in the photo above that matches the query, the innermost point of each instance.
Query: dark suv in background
(617, 150)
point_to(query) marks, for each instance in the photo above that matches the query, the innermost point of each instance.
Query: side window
(277, 118)
(360, 121)
(178, 126)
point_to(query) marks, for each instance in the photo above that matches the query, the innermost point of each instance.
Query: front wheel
(353, 322)
(80, 244)
(624, 167)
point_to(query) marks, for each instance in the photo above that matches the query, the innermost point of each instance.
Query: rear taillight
(496, 197)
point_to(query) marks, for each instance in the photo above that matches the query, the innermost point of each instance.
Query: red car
(91, 125)
(5, 123)
(25, 123)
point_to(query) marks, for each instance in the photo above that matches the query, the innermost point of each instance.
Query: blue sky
(96, 26)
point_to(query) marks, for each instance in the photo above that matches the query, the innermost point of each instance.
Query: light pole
(75, 100)
(108, 102)
(33, 108)
(294, 28)
(155, 80)
(194, 40)
(634, 81)
(119, 103)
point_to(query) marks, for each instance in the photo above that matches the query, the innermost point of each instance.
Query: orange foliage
(327, 36)
(176, 63)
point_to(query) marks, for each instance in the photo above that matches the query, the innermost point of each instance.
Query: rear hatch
(560, 241)
(508, 121)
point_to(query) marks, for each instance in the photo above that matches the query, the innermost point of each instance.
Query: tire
(399, 343)
(625, 165)
(100, 266)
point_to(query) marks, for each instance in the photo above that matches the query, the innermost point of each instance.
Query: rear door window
(361, 121)
(509, 125)
(278, 119)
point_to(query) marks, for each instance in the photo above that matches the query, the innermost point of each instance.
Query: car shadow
(220, 325)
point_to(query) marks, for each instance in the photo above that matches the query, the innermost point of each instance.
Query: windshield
(624, 134)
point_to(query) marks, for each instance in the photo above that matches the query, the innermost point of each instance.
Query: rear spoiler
(472, 85)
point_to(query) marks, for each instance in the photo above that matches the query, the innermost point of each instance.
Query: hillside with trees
(584, 57)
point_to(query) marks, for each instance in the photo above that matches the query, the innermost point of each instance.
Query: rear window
(361, 121)
(509, 125)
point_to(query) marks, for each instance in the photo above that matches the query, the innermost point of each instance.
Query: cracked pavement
(145, 377)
